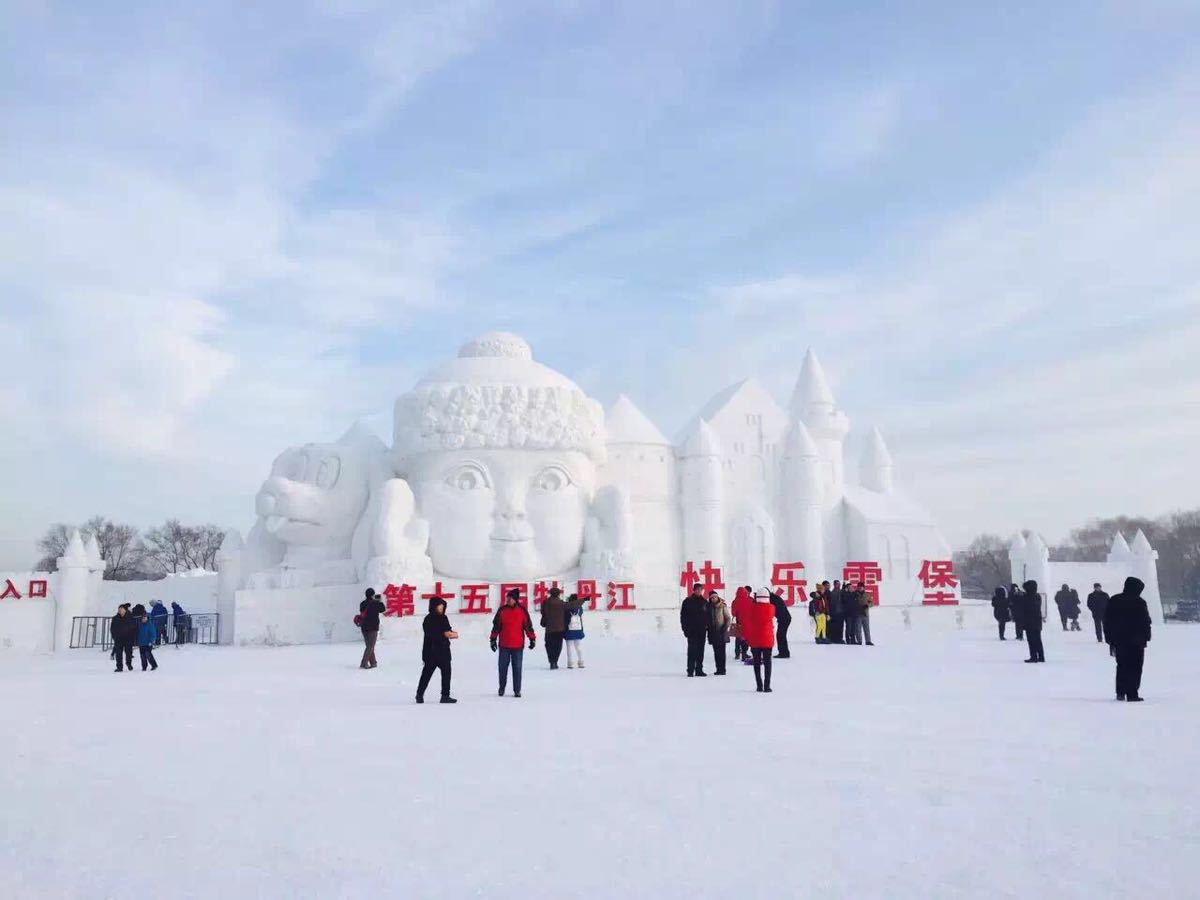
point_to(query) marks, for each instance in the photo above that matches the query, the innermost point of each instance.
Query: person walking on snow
(1097, 604)
(554, 621)
(783, 621)
(147, 632)
(739, 608)
(760, 634)
(574, 633)
(1016, 610)
(864, 614)
(1074, 610)
(1033, 617)
(510, 627)
(1127, 627)
(1063, 601)
(369, 611)
(719, 622)
(693, 619)
(435, 649)
(1000, 610)
(158, 615)
(123, 629)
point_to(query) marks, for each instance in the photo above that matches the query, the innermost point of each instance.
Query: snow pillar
(72, 588)
(229, 574)
(1143, 565)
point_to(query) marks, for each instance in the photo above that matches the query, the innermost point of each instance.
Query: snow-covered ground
(927, 766)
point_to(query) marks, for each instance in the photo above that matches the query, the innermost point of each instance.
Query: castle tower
(1143, 565)
(1119, 552)
(875, 470)
(1017, 549)
(1037, 564)
(641, 460)
(813, 404)
(702, 496)
(802, 499)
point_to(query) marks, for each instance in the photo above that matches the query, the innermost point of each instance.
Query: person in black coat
(783, 621)
(1097, 604)
(369, 611)
(435, 650)
(1000, 610)
(693, 619)
(1063, 601)
(1127, 627)
(124, 631)
(1015, 611)
(1031, 614)
(836, 614)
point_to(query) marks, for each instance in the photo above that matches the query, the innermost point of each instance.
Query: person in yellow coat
(818, 610)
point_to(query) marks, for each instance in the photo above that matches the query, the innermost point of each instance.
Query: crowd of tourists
(1121, 621)
(145, 629)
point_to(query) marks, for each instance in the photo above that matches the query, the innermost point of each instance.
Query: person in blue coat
(573, 636)
(181, 623)
(158, 615)
(147, 633)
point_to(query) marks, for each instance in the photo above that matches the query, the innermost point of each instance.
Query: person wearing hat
(435, 649)
(760, 634)
(124, 631)
(574, 633)
(1127, 628)
(510, 627)
(147, 632)
(554, 621)
(369, 611)
(1032, 616)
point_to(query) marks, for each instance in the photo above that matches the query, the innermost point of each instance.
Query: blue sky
(228, 231)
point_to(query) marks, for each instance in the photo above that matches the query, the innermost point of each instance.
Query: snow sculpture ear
(379, 474)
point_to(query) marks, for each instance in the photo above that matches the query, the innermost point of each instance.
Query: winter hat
(1133, 586)
(1031, 587)
(495, 395)
(370, 592)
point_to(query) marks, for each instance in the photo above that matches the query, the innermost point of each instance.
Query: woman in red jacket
(741, 603)
(510, 627)
(759, 629)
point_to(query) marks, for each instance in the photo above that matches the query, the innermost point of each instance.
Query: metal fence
(88, 632)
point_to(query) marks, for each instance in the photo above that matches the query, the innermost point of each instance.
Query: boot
(447, 700)
(420, 699)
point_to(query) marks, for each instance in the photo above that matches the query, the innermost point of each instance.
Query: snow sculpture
(313, 526)
(503, 470)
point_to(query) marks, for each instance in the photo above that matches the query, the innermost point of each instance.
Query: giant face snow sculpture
(501, 454)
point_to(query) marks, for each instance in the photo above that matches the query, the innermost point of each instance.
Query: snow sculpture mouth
(273, 524)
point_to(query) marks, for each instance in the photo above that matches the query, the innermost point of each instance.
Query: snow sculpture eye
(296, 467)
(551, 480)
(468, 477)
(328, 472)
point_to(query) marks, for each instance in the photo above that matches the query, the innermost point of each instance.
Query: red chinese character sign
(399, 601)
(10, 591)
(790, 577)
(36, 588)
(869, 573)
(939, 581)
(475, 599)
(709, 577)
(620, 595)
(587, 591)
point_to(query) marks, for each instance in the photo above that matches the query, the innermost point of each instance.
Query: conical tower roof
(1017, 544)
(1119, 546)
(875, 454)
(75, 552)
(626, 424)
(812, 391)
(798, 444)
(1141, 545)
(702, 441)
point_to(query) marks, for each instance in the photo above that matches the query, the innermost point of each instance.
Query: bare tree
(120, 546)
(52, 545)
(174, 547)
(983, 565)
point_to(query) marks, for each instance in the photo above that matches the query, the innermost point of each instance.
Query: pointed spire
(75, 554)
(1141, 546)
(91, 549)
(703, 441)
(798, 444)
(231, 543)
(875, 469)
(1017, 546)
(1037, 545)
(626, 424)
(812, 393)
(1119, 547)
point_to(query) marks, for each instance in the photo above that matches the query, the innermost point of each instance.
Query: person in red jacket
(738, 609)
(510, 627)
(760, 635)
